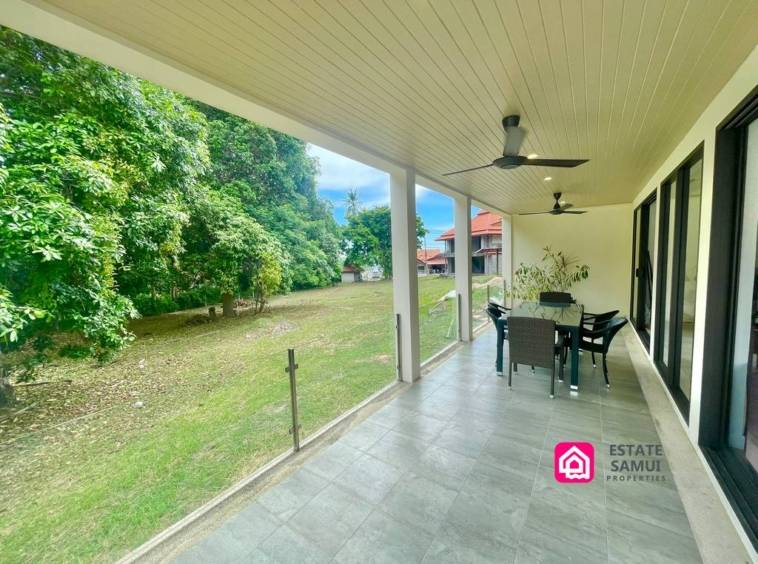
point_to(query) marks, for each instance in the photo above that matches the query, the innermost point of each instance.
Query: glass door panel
(642, 279)
(751, 428)
(743, 416)
(678, 245)
(636, 266)
(668, 274)
(689, 272)
(647, 264)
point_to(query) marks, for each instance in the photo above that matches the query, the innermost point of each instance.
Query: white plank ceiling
(427, 82)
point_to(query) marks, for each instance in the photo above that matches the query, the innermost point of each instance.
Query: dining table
(568, 320)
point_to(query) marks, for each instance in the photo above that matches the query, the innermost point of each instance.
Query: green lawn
(88, 475)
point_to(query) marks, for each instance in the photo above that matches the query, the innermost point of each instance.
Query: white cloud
(340, 174)
(421, 192)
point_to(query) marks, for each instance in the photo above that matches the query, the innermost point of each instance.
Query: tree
(367, 238)
(273, 177)
(114, 191)
(95, 164)
(230, 250)
(60, 246)
(352, 204)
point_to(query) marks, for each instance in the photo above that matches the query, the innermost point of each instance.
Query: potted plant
(555, 272)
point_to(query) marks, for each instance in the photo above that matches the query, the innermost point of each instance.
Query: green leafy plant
(556, 272)
(367, 238)
(116, 193)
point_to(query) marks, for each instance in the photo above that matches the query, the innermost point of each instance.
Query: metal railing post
(291, 369)
(458, 314)
(488, 292)
(397, 347)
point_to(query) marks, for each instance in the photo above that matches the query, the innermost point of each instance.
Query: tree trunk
(228, 303)
(7, 392)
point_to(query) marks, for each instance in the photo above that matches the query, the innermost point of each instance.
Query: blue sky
(338, 174)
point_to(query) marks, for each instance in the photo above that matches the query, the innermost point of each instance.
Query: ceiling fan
(514, 136)
(558, 208)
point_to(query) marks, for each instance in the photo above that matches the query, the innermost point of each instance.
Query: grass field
(99, 464)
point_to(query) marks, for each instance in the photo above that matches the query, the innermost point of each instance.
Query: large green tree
(113, 189)
(275, 179)
(367, 238)
(230, 250)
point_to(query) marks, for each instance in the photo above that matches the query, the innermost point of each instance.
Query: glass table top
(567, 315)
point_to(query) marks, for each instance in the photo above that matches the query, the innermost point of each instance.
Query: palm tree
(352, 205)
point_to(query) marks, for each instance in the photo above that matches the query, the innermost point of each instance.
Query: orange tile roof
(483, 223)
(430, 256)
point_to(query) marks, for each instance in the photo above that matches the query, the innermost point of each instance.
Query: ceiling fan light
(532, 156)
(548, 178)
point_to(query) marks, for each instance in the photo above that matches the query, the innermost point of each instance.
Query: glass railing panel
(348, 359)
(438, 314)
(106, 455)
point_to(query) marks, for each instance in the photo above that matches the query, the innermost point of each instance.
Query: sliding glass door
(665, 270)
(642, 277)
(688, 275)
(728, 428)
(743, 423)
(677, 284)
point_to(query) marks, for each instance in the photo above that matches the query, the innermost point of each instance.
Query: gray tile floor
(460, 469)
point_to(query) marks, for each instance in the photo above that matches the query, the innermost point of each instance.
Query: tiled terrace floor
(459, 469)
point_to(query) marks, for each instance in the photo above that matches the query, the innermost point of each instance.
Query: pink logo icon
(574, 463)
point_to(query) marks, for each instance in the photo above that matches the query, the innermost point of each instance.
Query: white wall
(601, 238)
(703, 131)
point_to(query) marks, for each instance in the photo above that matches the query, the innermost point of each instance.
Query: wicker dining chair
(532, 341)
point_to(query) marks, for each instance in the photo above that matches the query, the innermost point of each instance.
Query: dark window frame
(636, 305)
(669, 368)
(737, 479)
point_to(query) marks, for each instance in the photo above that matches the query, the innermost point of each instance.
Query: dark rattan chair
(588, 340)
(556, 298)
(495, 311)
(532, 341)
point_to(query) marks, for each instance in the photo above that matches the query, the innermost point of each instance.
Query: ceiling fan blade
(567, 206)
(514, 136)
(564, 163)
(536, 213)
(466, 170)
(574, 211)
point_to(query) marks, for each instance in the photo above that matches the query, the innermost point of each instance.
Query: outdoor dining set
(543, 333)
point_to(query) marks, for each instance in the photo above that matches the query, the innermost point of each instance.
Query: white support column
(507, 262)
(463, 265)
(404, 277)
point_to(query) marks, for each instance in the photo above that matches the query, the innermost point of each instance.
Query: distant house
(486, 244)
(430, 261)
(350, 274)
